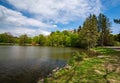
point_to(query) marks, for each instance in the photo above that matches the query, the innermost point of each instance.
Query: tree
(67, 38)
(56, 39)
(74, 40)
(104, 30)
(67, 41)
(23, 39)
(61, 39)
(75, 30)
(41, 40)
(79, 28)
(117, 21)
(65, 32)
(35, 40)
(88, 34)
(6, 38)
(118, 37)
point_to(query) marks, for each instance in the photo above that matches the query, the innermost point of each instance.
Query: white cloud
(16, 31)
(16, 23)
(30, 32)
(14, 17)
(59, 11)
(45, 14)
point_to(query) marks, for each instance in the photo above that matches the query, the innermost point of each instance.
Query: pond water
(26, 64)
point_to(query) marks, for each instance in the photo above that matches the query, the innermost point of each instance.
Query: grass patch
(105, 51)
(87, 70)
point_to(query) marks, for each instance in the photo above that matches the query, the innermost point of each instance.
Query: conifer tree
(117, 21)
(104, 30)
(89, 33)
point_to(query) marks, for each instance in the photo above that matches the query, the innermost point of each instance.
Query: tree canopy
(95, 31)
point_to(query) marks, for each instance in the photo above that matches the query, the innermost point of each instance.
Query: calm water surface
(26, 64)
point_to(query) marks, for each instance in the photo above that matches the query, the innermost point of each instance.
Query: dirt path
(117, 48)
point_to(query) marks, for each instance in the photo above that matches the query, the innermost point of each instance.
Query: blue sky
(35, 17)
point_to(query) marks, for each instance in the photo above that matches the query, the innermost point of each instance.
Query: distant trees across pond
(95, 31)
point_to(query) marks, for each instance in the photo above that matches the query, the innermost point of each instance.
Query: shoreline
(101, 68)
(55, 70)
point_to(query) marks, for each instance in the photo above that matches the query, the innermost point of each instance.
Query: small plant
(84, 54)
(78, 56)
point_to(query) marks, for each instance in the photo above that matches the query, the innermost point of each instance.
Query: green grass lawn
(90, 70)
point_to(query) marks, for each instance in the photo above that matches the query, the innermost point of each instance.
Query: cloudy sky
(35, 17)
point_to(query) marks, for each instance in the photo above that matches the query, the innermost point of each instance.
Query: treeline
(95, 31)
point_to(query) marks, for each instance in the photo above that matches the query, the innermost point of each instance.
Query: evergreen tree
(79, 28)
(117, 21)
(104, 30)
(88, 34)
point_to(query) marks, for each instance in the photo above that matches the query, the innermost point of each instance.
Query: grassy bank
(104, 68)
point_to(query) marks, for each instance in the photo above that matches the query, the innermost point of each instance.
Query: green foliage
(117, 37)
(6, 38)
(95, 31)
(36, 39)
(89, 70)
(88, 35)
(80, 72)
(41, 40)
(105, 51)
(55, 39)
(62, 39)
(74, 40)
(104, 30)
(77, 56)
(23, 39)
(116, 43)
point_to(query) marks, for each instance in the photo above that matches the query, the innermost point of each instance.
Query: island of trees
(95, 31)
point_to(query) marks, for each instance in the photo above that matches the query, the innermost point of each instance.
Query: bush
(116, 43)
(77, 56)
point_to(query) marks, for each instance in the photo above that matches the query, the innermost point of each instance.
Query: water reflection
(19, 64)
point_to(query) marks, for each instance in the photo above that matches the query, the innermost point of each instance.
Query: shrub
(77, 56)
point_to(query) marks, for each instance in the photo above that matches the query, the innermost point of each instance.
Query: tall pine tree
(89, 33)
(104, 30)
(117, 21)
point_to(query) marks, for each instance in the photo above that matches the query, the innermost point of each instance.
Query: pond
(26, 64)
